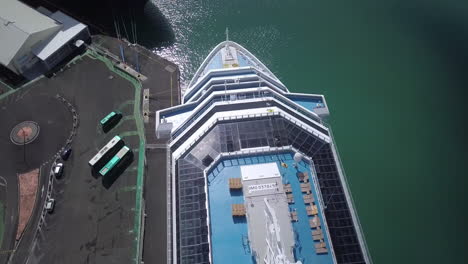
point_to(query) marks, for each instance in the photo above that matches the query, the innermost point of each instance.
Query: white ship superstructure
(254, 174)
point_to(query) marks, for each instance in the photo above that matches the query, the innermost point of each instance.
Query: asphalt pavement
(90, 223)
(163, 84)
(55, 124)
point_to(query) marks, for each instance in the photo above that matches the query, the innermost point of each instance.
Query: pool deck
(229, 235)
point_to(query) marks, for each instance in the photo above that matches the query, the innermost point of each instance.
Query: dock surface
(94, 222)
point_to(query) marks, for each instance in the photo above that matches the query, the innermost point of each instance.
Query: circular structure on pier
(24, 133)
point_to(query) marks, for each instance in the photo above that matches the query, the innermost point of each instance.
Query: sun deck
(230, 234)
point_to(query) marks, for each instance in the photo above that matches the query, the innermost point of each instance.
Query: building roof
(17, 22)
(69, 30)
(24, 17)
(12, 40)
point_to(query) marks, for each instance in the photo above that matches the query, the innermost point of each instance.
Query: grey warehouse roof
(17, 22)
(70, 29)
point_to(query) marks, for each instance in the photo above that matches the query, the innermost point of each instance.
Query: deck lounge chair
(317, 237)
(323, 250)
(320, 245)
(294, 217)
(317, 232)
(235, 183)
(308, 198)
(238, 210)
(314, 222)
(303, 176)
(287, 188)
(305, 188)
(312, 209)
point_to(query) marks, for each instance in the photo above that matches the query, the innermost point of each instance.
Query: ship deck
(216, 62)
(229, 235)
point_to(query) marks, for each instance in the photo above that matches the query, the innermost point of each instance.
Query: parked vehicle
(110, 121)
(106, 153)
(66, 153)
(50, 205)
(58, 170)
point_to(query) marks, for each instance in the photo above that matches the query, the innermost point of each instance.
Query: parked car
(58, 170)
(66, 153)
(50, 205)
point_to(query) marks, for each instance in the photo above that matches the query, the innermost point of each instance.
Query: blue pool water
(229, 236)
(308, 103)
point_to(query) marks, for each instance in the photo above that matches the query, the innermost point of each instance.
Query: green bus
(113, 163)
(110, 121)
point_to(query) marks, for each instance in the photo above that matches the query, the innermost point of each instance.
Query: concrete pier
(161, 90)
(92, 222)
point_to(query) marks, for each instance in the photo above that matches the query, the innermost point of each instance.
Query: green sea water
(395, 76)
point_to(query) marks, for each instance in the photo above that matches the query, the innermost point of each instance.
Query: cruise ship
(254, 175)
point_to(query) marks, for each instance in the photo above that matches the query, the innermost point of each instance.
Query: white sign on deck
(259, 171)
(262, 187)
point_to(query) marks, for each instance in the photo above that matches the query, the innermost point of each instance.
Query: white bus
(106, 153)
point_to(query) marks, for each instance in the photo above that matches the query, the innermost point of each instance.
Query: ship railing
(248, 116)
(357, 223)
(169, 206)
(250, 95)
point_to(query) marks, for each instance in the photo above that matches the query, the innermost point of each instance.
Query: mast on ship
(228, 50)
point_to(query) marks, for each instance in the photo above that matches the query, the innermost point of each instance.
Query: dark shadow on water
(445, 32)
(109, 179)
(152, 27)
(239, 219)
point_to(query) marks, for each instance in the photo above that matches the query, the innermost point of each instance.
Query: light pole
(24, 144)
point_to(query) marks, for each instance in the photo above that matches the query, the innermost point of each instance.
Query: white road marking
(4, 181)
